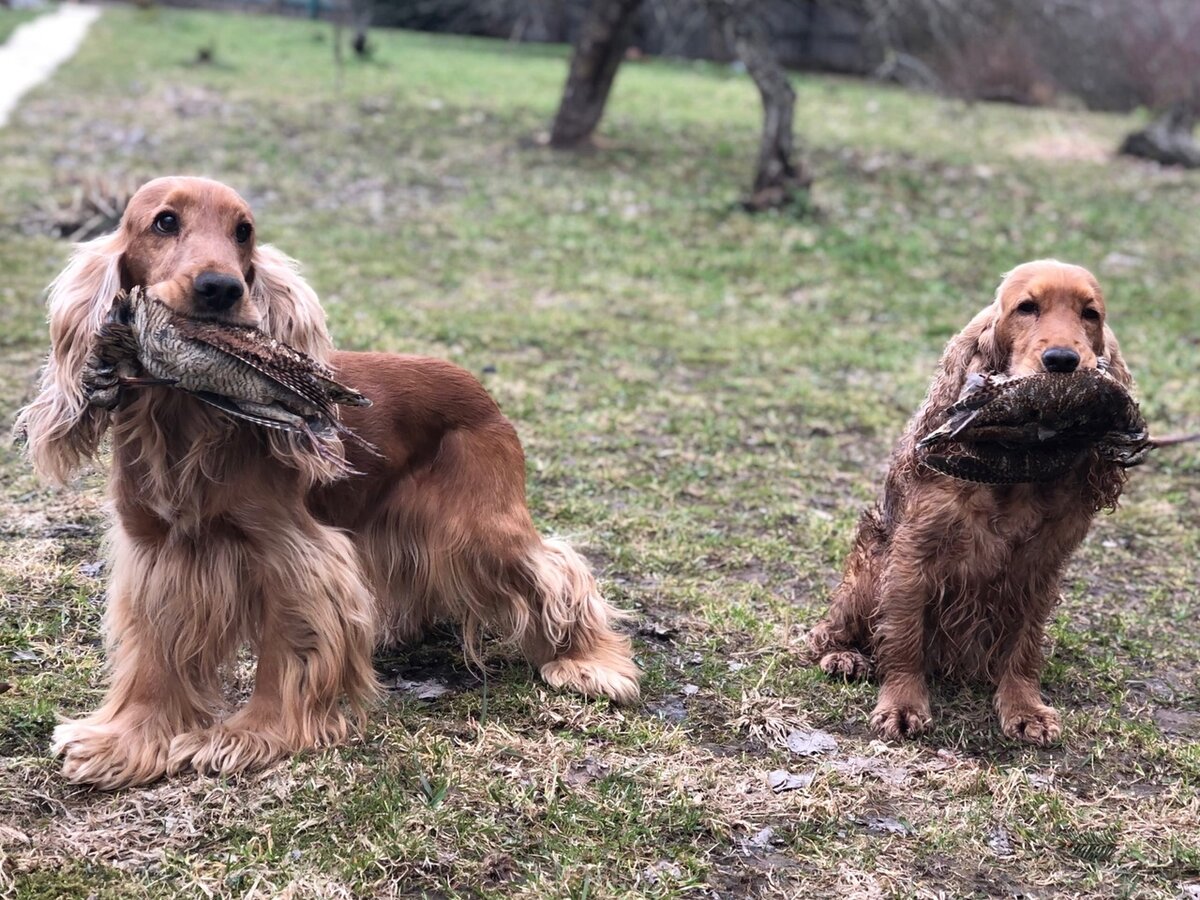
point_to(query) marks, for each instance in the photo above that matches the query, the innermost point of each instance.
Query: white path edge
(34, 50)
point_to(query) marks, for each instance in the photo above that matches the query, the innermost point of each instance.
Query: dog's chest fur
(1000, 551)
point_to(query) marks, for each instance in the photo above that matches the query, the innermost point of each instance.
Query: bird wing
(292, 370)
(228, 406)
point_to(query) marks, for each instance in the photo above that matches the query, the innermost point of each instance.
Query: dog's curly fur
(957, 578)
(224, 534)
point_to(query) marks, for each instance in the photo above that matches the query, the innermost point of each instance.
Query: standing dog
(959, 578)
(226, 534)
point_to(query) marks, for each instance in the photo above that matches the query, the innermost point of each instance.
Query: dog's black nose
(1060, 359)
(215, 292)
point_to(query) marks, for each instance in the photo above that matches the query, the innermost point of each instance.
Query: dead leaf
(423, 690)
(811, 743)
(585, 772)
(999, 841)
(865, 765)
(657, 630)
(653, 874)
(884, 825)
(763, 838)
(781, 780)
(669, 709)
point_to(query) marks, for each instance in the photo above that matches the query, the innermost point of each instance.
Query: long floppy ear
(973, 350)
(59, 428)
(292, 313)
(1116, 362)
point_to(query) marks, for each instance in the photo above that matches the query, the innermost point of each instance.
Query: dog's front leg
(314, 635)
(1023, 714)
(167, 627)
(903, 706)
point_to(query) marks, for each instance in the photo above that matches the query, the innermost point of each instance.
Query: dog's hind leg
(570, 635)
(841, 642)
(482, 562)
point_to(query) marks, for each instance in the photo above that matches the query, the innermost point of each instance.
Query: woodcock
(237, 368)
(1036, 428)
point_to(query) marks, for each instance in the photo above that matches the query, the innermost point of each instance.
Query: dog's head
(1047, 316)
(1050, 317)
(192, 243)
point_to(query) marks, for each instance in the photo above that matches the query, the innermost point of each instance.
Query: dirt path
(37, 48)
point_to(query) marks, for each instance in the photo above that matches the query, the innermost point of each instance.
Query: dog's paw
(849, 664)
(900, 720)
(614, 677)
(253, 738)
(1040, 725)
(108, 756)
(221, 750)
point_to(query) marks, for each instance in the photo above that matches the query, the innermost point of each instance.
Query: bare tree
(1115, 53)
(362, 11)
(780, 178)
(1160, 44)
(598, 53)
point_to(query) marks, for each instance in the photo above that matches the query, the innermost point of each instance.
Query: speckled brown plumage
(1036, 428)
(236, 368)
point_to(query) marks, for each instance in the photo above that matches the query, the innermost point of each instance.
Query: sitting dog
(225, 533)
(957, 578)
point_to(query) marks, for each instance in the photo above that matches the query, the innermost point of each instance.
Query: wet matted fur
(955, 578)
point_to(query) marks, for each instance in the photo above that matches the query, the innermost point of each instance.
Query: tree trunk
(781, 178)
(1169, 139)
(362, 12)
(601, 47)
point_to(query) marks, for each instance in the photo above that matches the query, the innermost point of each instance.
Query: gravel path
(37, 48)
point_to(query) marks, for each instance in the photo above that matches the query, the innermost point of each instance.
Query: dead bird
(996, 464)
(1015, 430)
(235, 368)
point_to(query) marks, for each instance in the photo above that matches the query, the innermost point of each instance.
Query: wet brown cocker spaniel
(955, 578)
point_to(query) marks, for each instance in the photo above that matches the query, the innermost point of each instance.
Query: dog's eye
(1027, 307)
(243, 232)
(166, 223)
(1091, 314)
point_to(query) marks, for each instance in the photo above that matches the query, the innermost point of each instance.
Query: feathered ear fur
(975, 349)
(1116, 362)
(292, 313)
(59, 428)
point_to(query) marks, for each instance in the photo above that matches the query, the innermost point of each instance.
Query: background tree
(1160, 44)
(780, 177)
(601, 46)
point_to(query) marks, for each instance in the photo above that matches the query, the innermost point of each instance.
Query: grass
(707, 401)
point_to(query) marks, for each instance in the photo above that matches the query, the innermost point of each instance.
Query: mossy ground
(707, 400)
